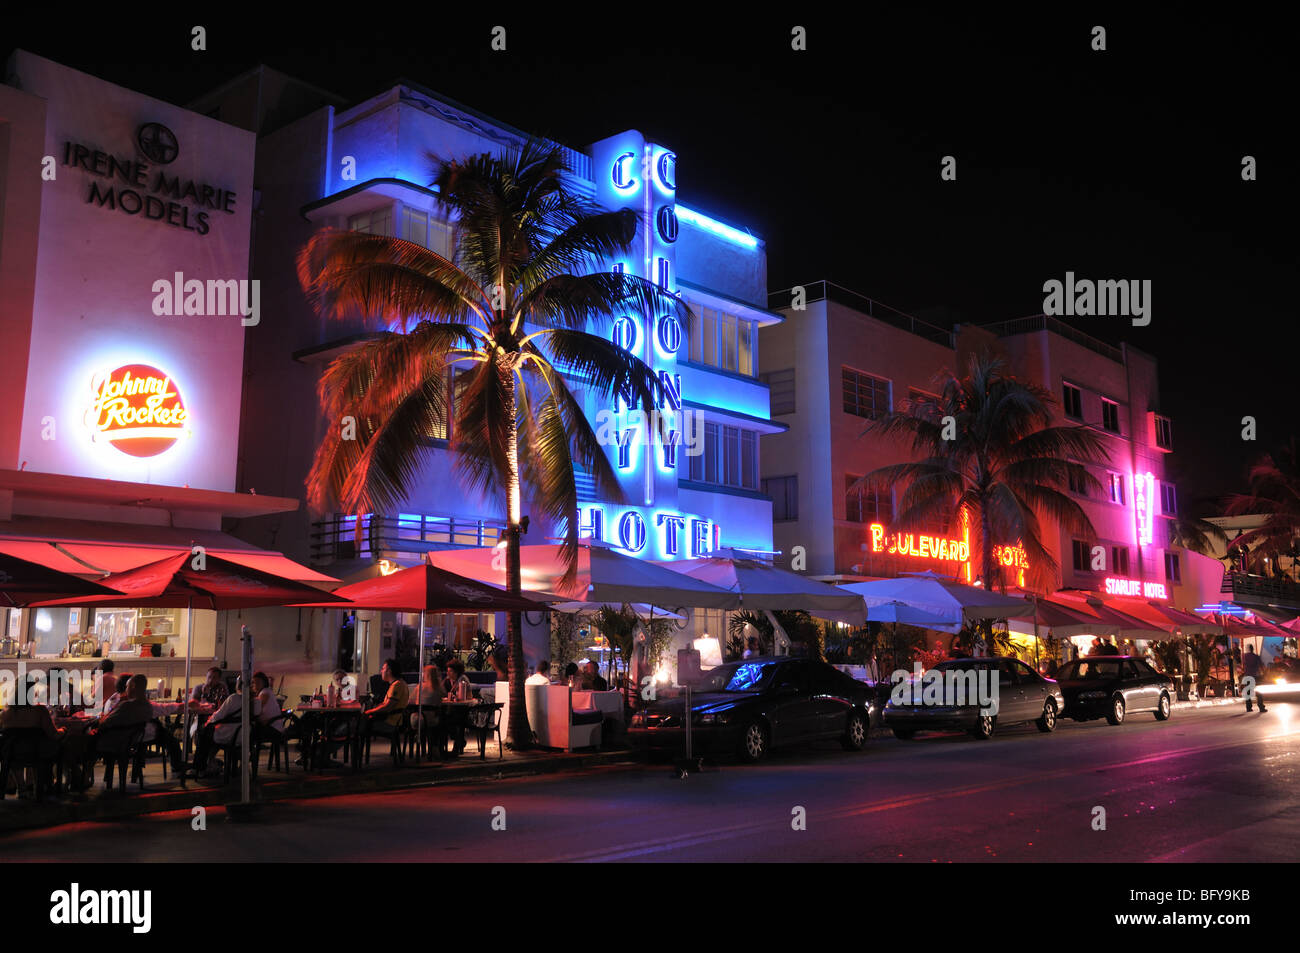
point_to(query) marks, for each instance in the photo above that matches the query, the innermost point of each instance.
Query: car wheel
(904, 734)
(1162, 710)
(1116, 714)
(753, 741)
(1047, 723)
(855, 735)
(983, 729)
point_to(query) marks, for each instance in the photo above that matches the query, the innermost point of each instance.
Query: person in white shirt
(111, 701)
(266, 707)
(542, 676)
(220, 729)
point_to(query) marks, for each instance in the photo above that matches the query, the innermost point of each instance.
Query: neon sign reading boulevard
(944, 549)
(138, 189)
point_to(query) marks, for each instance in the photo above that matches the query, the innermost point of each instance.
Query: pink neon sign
(1144, 487)
(1135, 587)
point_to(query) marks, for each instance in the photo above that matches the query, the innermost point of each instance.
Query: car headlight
(1092, 695)
(638, 718)
(712, 718)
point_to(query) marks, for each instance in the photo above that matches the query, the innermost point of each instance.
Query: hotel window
(376, 222)
(1168, 499)
(1110, 415)
(784, 492)
(1173, 571)
(1077, 482)
(781, 386)
(729, 458)
(1082, 556)
(1072, 400)
(866, 506)
(864, 395)
(1116, 484)
(1164, 433)
(1119, 560)
(748, 347)
(724, 341)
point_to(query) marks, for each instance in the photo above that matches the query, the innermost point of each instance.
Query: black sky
(1116, 164)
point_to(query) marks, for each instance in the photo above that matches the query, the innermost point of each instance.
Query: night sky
(1122, 164)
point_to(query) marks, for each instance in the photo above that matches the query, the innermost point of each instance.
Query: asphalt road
(1211, 785)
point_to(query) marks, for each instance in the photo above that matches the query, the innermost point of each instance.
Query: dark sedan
(952, 694)
(1114, 687)
(753, 706)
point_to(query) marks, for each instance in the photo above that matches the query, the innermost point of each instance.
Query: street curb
(116, 806)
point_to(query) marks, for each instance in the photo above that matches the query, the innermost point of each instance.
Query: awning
(91, 550)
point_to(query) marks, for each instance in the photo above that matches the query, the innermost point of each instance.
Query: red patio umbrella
(23, 582)
(425, 588)
(186, 580)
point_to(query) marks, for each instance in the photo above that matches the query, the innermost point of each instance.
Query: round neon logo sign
(138, 409)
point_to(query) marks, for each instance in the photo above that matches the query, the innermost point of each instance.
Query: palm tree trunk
(986, 545)
(519, 735)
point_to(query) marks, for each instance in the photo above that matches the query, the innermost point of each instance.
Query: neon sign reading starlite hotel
(643, 176)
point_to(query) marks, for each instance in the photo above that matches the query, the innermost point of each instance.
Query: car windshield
(740, 677)
(1090, 669)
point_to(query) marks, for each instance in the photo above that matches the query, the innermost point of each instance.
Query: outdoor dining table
(315, 725)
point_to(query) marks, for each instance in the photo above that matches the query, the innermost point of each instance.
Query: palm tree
(1004, 468)
(509, 311)
(1275, 494)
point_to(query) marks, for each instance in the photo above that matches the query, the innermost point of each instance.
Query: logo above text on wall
(135, 187)
(137, 409)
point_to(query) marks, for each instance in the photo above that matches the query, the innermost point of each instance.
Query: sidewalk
(172, 795)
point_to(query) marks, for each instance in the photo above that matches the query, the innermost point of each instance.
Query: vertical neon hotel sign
(649, 174)
(1144, 485)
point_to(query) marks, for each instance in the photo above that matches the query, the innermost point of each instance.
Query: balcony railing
(829, 291)
(1044, 322)
(1267, 590)
(336, 540)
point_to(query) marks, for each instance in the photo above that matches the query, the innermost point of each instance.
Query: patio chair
(153, 743)
(490, 724)
(395, 733)
(276, 740)
(26, 748)
(118, 746)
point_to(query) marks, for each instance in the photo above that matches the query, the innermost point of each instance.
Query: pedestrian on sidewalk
(1253, 668)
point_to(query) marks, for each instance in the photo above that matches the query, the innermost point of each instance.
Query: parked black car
(753, 706)
(1022, 696)
(1113, 687)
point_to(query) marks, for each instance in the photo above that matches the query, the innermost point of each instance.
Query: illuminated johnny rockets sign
(138, 409)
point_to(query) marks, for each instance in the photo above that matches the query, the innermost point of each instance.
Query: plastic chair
(277, 742)
(395, 733)
(21, 748)
(119, 746)
(491, 726)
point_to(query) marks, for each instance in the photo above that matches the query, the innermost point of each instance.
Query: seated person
(459, 688)
(213, 690)
(542, 676)
(345, 686)
(108, 732)
(22, 715)
(266, 706)
(593, 680)
(572, 676)
(118, 694)
(426, 720)
(220, 729)
(386, 717)
(105, 683)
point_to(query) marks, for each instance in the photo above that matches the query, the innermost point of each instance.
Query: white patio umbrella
(952, 602)
(761, 586)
